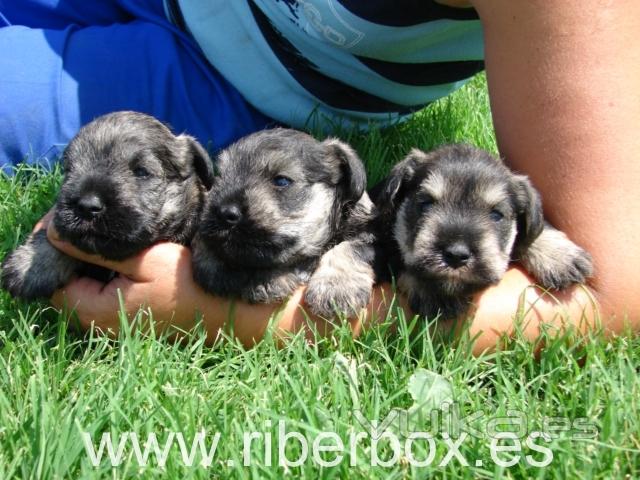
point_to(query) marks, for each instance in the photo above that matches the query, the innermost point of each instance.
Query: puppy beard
(118, 233)
(266, 237)
(247, 246)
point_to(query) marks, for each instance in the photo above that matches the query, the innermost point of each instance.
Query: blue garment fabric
(337, 62)
(65, 62)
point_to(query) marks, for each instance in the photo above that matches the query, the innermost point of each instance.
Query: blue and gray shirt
(352, 61)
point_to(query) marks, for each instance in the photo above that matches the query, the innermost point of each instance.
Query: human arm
(563, 78)
(160, 277)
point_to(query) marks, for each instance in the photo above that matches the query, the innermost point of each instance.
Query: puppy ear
(391, 189)
(353, 177)
(529, 216)
(199, 159)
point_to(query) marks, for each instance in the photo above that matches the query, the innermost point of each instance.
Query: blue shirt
(348, 62)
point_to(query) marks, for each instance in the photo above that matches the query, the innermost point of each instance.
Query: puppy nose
(457, 254)
(230, 214)
(90, 205)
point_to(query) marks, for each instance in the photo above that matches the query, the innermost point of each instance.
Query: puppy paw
(14, 274)
(556, 262)
(36, 269)
(342, 282)
(574, 268)
(271, 290)
(328, 297)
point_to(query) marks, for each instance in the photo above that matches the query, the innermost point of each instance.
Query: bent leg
(59, 14)
(30, 112)
(54, 81)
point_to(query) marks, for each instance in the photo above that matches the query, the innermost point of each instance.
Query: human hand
(160, 278)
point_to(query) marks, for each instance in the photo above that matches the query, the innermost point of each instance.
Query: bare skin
(161, 278)
(563, 79)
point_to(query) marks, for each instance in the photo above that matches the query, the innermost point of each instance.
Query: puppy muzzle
(458, 265)
(96, 221)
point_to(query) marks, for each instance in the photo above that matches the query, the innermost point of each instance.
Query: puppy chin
(107, 247)
(250, 249)
(96, 238)
(456, 281)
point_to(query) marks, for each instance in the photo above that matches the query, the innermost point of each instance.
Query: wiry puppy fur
(128, 183)
(458, 216)
(286, 210)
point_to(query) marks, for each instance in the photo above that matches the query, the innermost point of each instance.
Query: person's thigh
(54, 81)
(59, 14)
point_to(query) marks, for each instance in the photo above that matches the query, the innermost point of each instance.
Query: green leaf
(429, 389)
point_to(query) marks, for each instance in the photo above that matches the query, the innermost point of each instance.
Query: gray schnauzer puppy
(128, 183)
(287, 210)
(458, 216)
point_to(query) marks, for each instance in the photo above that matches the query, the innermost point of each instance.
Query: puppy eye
(496, 215)
(426, 203)
(281, 181)
(141, 172)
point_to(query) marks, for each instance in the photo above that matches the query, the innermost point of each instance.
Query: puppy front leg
(271, 287)
(343, 280)
(555, 261)
(36, 269)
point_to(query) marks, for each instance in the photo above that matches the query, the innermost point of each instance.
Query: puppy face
(128, 183)
(279, 197)
(459, 216)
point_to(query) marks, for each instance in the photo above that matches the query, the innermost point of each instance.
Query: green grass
(56, 383)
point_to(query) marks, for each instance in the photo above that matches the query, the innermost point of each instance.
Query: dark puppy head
(280, 197)
(459, 216)
(128, 183)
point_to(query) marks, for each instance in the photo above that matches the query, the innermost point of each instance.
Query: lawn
(575, 410)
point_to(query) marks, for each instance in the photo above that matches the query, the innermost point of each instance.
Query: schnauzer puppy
(287, 210)
(457, 217)
(128, 183)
